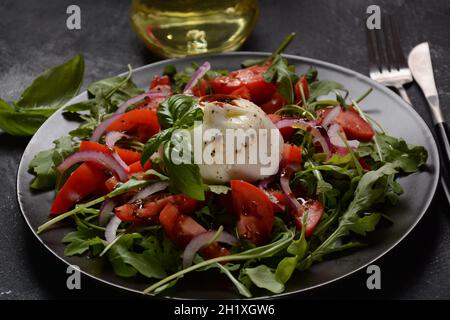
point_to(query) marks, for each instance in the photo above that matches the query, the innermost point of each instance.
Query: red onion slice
(196, 76)
(285, 178)
(264, 183)
(331, 116)
(112, 137)
(98, 157)
(148, 191)
(200, 241)
(336, 140)
(106, 212)
(307, 127)
(111, 229)
(98, 132)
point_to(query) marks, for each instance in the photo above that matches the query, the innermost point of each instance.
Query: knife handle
(443, 134)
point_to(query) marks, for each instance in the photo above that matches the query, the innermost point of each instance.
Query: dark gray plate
(396, 116)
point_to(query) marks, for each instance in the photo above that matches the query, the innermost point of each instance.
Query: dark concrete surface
(34, 37)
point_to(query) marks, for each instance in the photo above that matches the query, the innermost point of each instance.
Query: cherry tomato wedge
(182, 229)
(142, 123)
(292, 154)
(85, 180)
(315, 212)
(136, 167)
(303, 84)
(159, 80)
(254, 210)
(242, 92)
(252, 78)
(355, 127)
(147, 210)
(202, 88)
(274, 104)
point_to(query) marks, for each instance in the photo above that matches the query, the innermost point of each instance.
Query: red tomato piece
(111, 183)
(85, 180)
(274, 104)
(242, 92)
(202, 88)
(182, 229)
(136, 167)
(315, 212)
(292, 154)
(252, 78)
(354, 126)
(142, 123)
(301, 83)
(254, 210)
(159, 80)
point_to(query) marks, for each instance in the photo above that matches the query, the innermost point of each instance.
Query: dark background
(34, 37)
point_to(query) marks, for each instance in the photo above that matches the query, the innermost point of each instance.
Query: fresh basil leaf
(286, 268)
(263, 277)
(170, 70)
(285, 78)
(85, 105)
(154, 142)
(20, 123)
(54, 87)
(322, 88)
(44, 163)
(178, 111)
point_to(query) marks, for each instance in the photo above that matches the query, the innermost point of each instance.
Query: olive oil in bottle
(176, 28)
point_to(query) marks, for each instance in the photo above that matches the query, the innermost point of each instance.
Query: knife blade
(419, 62)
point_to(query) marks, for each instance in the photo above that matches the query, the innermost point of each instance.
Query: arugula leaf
(262, 276)
(81, 241)
(372, 189)
(311, 74)
(284, 76)
(44, 163)
(406, 157)
(127, 263)
(365, 224)
(115, 90)
(322, 88)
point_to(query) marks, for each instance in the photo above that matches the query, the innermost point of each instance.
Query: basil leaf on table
(42, 98)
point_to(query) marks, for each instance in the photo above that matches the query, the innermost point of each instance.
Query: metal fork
(387, 63)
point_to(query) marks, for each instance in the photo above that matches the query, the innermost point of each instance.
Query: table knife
(419, 61)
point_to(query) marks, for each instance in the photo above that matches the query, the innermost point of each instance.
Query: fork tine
(379, 35)
(398, 51)
(387, 33)
(373, 63)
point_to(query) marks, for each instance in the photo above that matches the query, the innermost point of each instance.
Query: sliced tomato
(315, 212)
(85, 180)
(148, 209)
(182, 229)
(142, 123)
(202, 88)
(111, 183)
(292, 154)
(128, 156)
(364, 164)
(159, 80)
(136, 167)
(252, 78)
(254, 210)
(274, 104)
(278, 200)
(355, 127)
(303, 84)
(242, 92)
